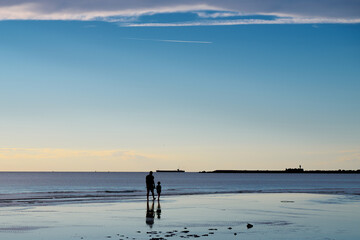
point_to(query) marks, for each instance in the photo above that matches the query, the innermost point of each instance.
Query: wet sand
(225, 216)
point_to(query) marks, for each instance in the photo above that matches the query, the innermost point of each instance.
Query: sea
(47, 188)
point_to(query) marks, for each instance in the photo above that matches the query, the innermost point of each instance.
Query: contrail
(169, 40)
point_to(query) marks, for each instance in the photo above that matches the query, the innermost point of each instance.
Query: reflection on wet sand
(150, 214)
(158, 210)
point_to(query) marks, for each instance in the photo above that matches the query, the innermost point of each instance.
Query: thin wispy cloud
(209, 12)
(343, 156)
(169, 40)
(55, 153)
(47, 159)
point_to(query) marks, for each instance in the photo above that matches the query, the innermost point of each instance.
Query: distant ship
(177, 170)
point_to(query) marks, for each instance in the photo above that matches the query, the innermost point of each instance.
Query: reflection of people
(150, 214)
(150, 185)
(158, 210)
(158, 190)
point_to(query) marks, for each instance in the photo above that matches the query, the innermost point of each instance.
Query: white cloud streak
(35, 11)
(219, 14)
(304, 11)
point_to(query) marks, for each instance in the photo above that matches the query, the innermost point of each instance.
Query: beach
(241, 117)
(205, 216)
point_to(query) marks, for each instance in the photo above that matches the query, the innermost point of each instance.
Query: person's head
(150, 172)
(158, 183)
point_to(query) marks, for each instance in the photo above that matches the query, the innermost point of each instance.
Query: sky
(198, 85)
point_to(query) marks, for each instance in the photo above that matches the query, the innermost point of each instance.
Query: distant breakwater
(287, 171)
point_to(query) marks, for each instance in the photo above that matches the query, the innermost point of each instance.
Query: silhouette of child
(158, 190)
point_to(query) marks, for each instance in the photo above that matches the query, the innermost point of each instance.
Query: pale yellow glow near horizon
(50, 159)
(190, 159)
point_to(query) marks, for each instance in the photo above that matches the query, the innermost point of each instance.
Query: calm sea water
(21, 188)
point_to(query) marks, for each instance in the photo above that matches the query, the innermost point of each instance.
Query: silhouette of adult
(150, 185)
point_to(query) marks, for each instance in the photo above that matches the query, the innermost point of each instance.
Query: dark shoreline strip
(287, 172)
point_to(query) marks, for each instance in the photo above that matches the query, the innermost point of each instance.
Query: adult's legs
(152, 191)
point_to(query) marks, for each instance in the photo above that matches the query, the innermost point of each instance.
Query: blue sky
(204, 90)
